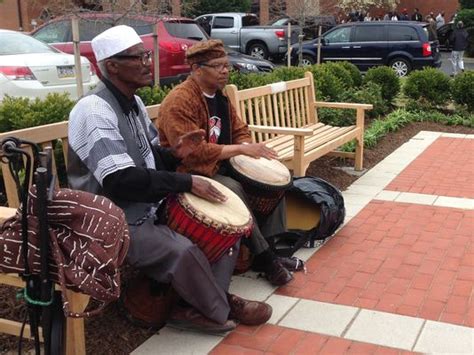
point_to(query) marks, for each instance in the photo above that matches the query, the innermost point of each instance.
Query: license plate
(66, 71)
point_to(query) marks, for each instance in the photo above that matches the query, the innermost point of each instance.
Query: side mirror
(324, 41)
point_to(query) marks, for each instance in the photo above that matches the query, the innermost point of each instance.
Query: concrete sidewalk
(397, 278)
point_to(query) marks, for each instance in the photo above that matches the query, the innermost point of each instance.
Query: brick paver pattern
(401, 258)
(272, 339)
(445, 168)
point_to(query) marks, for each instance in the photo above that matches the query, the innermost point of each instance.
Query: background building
(23, 14)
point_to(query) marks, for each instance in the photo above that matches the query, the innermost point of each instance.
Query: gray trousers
(169, 257)
(264, 227)
(457, 58)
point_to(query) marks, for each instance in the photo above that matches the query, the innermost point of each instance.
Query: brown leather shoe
(278, 275)
(248, 312)
(190, 319)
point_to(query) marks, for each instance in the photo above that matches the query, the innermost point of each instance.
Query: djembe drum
(264, 181)
(214, 227)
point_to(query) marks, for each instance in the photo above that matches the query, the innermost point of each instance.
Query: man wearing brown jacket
(199, 103)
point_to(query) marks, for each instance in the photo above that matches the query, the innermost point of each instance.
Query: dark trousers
(169, 257)
(264, 227)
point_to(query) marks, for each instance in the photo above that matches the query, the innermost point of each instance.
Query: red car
(175, 35)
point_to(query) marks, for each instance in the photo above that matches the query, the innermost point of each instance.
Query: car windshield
(186, 30)
(280, 22)
(18, 43)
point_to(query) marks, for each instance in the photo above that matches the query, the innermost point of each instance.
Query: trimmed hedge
(387, 79)
(153, 95)
(463, 89)
(429, 87)
(354, 71)
(18, 113)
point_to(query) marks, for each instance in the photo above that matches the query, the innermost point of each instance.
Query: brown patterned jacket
(184, 110)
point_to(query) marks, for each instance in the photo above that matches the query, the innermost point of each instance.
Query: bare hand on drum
(187, 143)
(206, 190)
(259, 150)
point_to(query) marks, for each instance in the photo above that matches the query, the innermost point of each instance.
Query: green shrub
(341, 73)
(428, 86)
(387, 79)
(354, 71)
(336, 117)
(153, 95)
(247, 81)
(327, 86)
(463, 89)
(286, 74)
(20, 112)
(370, 93)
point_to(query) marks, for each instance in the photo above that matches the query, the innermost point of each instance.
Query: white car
(31, 68)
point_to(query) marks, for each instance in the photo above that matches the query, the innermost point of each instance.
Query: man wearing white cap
(114, 151)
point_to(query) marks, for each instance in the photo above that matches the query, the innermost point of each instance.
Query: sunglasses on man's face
(145, 57)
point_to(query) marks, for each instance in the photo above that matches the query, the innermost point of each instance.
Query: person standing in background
(459, 39)
(440, 20)
(404, 15)
(417, 16)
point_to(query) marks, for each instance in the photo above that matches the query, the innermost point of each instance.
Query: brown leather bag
(89, 240)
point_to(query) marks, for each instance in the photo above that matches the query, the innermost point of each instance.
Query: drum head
(265, 171)
(232, 212)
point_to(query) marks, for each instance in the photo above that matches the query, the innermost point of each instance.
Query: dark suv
(402, 45)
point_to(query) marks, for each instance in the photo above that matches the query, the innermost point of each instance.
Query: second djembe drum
(264, 181)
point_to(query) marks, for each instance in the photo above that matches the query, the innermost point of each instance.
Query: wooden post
(156, 56)
(289, 45)
(319, 45)
(77, 56)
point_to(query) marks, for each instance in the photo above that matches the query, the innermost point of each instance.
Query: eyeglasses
(218, 67)
(145, 57)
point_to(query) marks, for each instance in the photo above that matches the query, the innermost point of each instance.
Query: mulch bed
(110, 333)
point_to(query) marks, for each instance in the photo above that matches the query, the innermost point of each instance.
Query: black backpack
(310, 196)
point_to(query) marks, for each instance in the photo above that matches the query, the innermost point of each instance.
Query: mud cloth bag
(89, 240)
(315, 210)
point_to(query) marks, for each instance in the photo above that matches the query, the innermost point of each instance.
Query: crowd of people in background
(439, 20)
(435, 21)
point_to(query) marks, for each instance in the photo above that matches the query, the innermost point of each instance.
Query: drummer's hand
(258, 150)
(203, 188)
(187, 143)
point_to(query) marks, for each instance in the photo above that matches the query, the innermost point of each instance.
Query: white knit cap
(113, 41)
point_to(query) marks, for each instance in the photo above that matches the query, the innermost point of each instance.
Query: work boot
(187, 318)
(248, 312)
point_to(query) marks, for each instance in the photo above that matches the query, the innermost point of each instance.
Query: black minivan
(403, 45)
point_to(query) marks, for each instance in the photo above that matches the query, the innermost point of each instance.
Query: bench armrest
(281, 130)
(343, 105)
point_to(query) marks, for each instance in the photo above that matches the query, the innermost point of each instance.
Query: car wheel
(307, 60)
(258, 50)
(401, 66)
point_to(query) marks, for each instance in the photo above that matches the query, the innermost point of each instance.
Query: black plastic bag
(318, 194)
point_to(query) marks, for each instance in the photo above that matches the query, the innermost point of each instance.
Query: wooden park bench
(45, 136)
(284, 116)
